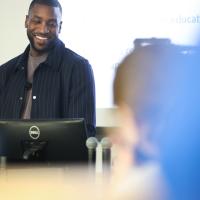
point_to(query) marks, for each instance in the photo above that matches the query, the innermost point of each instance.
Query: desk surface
(40, 182)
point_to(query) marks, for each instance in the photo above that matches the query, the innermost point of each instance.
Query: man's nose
(44, 28)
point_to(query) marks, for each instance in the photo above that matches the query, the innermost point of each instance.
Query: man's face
(43, 26)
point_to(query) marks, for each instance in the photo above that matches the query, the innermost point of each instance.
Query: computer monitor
(45, 141)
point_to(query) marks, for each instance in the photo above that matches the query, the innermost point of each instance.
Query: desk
(54, 183)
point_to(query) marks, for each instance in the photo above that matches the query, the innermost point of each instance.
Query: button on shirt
(33, 63)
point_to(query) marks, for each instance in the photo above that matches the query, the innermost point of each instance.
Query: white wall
(12, 35)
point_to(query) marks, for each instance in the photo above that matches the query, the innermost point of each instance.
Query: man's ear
(26, 21)
(60, 27)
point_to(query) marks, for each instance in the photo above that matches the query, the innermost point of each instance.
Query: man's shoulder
(73, 56)
(65, 58)
(9, 64)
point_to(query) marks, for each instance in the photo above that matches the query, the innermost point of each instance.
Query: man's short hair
(52, 3)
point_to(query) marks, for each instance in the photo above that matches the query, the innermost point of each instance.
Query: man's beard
(46, 49)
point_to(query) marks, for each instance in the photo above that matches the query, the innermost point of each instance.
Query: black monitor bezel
(74, 145)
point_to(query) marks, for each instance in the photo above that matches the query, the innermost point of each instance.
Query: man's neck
(35, 53)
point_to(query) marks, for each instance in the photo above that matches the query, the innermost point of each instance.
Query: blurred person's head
(157, 91)
(144, 92)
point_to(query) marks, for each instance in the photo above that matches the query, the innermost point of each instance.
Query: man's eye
(36, 21)
(52, 24)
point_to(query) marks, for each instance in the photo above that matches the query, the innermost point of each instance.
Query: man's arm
(82, 95)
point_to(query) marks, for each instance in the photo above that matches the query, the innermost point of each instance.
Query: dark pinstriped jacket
(63, 87)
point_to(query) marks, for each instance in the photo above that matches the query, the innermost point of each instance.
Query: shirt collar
(53, 60)
(54, 57)
(23, 58)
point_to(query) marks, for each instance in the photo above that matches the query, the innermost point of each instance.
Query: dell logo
(34, 132)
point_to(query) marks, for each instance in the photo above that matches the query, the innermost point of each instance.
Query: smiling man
(48, 80)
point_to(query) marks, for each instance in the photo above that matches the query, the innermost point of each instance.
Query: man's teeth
(41, 38)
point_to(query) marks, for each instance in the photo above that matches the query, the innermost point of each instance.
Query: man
(47, 80)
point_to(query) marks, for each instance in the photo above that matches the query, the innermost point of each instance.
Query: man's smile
(40, 37)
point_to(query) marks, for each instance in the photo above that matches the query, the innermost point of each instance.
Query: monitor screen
(43, 141)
